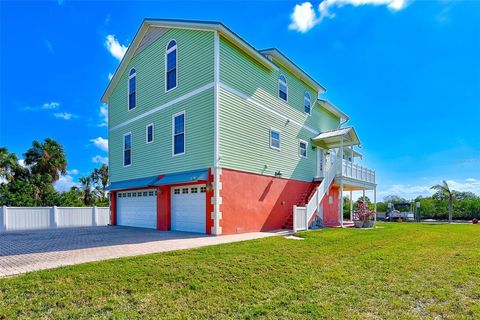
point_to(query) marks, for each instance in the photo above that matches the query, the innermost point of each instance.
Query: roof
(154, 181)
(333, 109)
(294, 68)
(333, 138)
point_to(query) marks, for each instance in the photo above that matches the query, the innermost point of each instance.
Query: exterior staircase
(302, 201)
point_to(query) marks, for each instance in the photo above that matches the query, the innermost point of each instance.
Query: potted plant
(364, 216)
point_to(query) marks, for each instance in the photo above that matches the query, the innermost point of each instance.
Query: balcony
(347, 169)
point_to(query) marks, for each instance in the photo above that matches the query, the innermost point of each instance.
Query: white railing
(302, 215)
(34, 218)
(355, 171)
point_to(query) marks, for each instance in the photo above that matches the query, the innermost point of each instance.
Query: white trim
(306, 149)
(258, 104)
(184, 133)
(217, 200)
(134, 75)
(279, 139)
(309, 102)
(163, 106)
(167, 51)
(146, 133)
(286, 86)
(123, 149)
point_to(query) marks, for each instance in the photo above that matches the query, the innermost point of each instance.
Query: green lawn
(394, 271)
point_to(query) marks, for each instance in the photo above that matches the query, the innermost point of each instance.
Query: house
(208, 134)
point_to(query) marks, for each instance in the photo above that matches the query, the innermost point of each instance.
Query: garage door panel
(137, 208)
(188, 208)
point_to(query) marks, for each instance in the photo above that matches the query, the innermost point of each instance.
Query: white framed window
(171, 61)
(149, 133)
(132, 89)
(127, 149)
(203, 189)
(282, 88)
(307, 107)
(302, 148)
(274, 139)
(178, 133)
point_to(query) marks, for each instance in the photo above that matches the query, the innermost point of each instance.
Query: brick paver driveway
(27, 251)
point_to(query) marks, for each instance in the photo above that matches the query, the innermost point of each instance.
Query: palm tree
(101, 175)
(444, 190)
(87, 190)
(8, 164)
(47, 158)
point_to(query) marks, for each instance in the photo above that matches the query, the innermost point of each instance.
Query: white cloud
(408, 191)
(326, 5)
(104, 115)
(100, 143)
(65, 183)
(73, 171)
(469, 185)
(63, 115)
(21, 162)
(100, 159)
(303, 17)
(110, 76)
(116, 49)
(50, 105)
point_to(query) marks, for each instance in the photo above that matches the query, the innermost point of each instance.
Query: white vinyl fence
(32, 218)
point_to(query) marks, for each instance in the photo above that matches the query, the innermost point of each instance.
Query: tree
(88, 190)
(100, 175)
(47, 158)
(444, 190)
(8, 164)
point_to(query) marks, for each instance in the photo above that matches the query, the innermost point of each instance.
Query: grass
(405, 271)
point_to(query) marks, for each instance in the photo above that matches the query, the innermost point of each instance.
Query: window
(178, 130)
(129, 195)
(149, 133)
(282, 88)
(150, 193)
(139, 194)
(302, 149)
(132, 89)
(176, 191)
(193, 190)
(274, 139)
(127, 149)
(145, 193)
(185, 190)
(171, 66)
(119, 195)
(306, 102)
(203, 189)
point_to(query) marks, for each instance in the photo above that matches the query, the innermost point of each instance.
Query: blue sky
(406, 72)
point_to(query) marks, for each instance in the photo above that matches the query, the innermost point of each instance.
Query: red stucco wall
(252, 202)
(330, 210)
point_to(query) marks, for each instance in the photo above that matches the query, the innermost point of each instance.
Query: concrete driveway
(27, 251)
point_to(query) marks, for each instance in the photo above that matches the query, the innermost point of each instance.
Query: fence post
(53, 217)
(95, 216)
(294, 218)
(3, 219)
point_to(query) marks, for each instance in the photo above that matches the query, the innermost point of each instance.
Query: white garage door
(137, 208)
(188, 208)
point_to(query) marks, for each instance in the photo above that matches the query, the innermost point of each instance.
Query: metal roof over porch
(333, 138)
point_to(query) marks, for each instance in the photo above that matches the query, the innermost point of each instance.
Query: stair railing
(302, 215)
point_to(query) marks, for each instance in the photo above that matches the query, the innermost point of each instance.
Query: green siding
(239, 71)
(245, 141)
(195, 69)
(156, 157)
(245, 127)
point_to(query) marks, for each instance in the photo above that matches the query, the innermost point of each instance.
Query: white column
(341, 203)
(217, 200)
(375, 202)
(351, 205)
